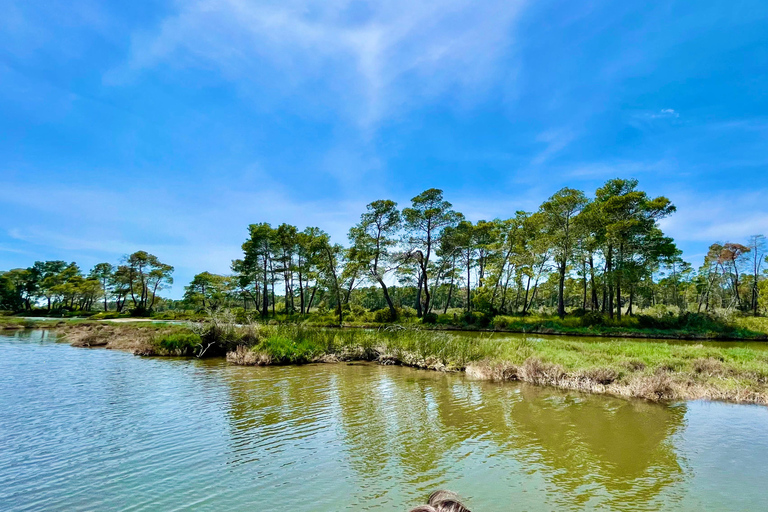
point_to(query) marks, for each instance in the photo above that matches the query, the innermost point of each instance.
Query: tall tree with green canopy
(285, 245)
(207, 291)
(532, 255)
(26, 282)
(372, 240)
(258, 251)
(11, 298)
(463, 238)
(629, 218)
(425, 220)
(757, 247)
(331, 269)
(50, 277)
(121, 286)
(104, 272)
(559, 213)
(309, 257)
(147, 275)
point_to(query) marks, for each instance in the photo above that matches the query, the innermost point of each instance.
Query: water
(104, 430)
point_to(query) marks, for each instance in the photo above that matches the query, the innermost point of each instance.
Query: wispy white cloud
(555, 141)
(371, 59)
(726, 216)
(664, 113)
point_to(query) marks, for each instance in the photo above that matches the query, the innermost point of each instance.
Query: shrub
(183, 344)
(140, 312)
(593, 318)
(429, 318)
(502, 322)
(383, 315)
(483, 320)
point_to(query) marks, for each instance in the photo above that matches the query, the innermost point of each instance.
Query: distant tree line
(575, 253)
(58, 285)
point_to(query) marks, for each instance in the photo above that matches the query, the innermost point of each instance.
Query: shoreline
(12, 323)
(655, 371)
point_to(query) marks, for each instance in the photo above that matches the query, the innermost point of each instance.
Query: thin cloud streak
(371, 59)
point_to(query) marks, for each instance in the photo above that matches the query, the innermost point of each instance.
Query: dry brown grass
(136, 338)
(658, 386)
(246, 357)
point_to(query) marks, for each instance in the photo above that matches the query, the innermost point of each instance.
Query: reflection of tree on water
(590, 449)
(271, 407)
(617, 451)
(400, 431)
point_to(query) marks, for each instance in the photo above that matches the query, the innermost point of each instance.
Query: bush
(476, 318)
(384, 315)
(429, 318)
(592, 319)
(502, 322)
(579, 312)
(183, 344)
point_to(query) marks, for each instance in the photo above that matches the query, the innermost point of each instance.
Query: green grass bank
(652, 370)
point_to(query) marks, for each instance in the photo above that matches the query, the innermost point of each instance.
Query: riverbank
(688, 326)
(652, 370)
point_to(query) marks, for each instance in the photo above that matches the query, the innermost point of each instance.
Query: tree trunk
(419, 312)
(301, 294)
(390, 304)
(469, 303)
(525, 299)
(561, 289)
(265, 296)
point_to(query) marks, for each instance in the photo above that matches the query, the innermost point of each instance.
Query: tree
(757, 247)
(11, 298)
(309, 253)
(121, 286)
(207, 291)
(730, 260)
(147, 274)
(331, 268)
(425, 220)
(285, 245)
(104, 273)
(258, 251)
(559, 213)
(50, 277)
(372, 240)
(628, 217)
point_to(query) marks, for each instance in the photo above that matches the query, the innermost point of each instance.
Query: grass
(649, 369)
(644, 369)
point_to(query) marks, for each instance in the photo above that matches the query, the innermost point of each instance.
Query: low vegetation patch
(653, 370)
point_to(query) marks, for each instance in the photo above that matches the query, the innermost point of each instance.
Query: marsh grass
(654, 370)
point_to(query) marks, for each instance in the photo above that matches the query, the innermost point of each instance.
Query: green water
(104, 430)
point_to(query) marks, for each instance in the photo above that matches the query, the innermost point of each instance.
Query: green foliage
(592, 319)
(429, 318)
(182, 344)
(383, 315)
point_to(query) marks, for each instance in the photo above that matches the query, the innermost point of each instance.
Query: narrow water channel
(104, 430)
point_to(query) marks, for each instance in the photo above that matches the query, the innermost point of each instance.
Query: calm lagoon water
(104, 430)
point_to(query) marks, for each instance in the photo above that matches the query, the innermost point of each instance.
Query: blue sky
(170, 126)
